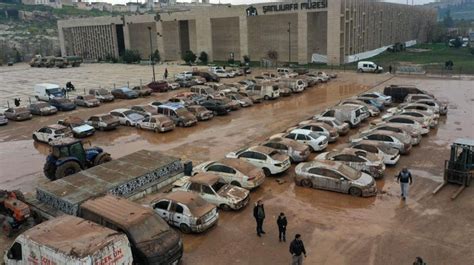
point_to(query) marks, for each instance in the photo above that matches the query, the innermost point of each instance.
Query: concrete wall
(317, 33)
(271, 33)
(171, 40)
(225, 38)
(140, 38)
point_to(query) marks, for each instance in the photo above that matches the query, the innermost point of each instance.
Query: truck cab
(45, 92)
(151, 239)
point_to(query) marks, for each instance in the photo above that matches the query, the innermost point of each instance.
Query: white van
(266, 90)
(368, 67)
(46, 92)
(344, 113)
(69, 240)
(296, 85)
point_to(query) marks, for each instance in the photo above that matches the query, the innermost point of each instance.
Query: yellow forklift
(459, 169)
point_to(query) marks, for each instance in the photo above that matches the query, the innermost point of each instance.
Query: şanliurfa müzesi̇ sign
(296, 6)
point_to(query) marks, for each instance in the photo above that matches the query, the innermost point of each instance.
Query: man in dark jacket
(297, 250)
(405, 179)
(259, 214)
(282, 222)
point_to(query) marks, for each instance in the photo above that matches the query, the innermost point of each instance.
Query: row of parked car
(353, 169)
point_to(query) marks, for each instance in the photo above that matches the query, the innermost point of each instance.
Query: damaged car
(156, 123)
(103, 122)
(18, 114)
(88, 101)
(78, 126)
(390, 155)
(270, 161)
(201, 113)
(42, 109)
(296, 151)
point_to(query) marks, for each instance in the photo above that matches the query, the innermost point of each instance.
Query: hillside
(458, 12)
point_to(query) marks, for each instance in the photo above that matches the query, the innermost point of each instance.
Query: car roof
(48, 85)
(324, 164)
(56, 126)
(301, 131)
(171, 105)
(205, 178)
(119, 110)
(239, 164)
(261, 149)
(197, 205)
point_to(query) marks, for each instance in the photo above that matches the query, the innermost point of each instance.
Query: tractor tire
(19, 195)
(67, 169)
(102, 158)
(49, 171)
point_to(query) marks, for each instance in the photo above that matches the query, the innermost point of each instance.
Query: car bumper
(392, 160)
(300, 158)
(320, 147)
(205, 226)
(277, 170)
(3, 122)
(344, 130)
(84, 134)
(415, 139)
(405, 149)
(167, 128)
(205, 117)
(332, 139)
(372, 191)
(425, 131)
(254, 183)
(241, 204)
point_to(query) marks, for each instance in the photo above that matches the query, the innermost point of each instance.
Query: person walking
(282, 223)
(297, 250)
(405, 179)
(166, 73)
(259, 214)
(390, 68)
(419, 261)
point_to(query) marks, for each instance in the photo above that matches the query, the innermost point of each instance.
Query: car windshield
(148, 229)
(54, 90)
(273, 154)
(349, 172)
(41, 105)
(237, 96)
(133, 116)
(126, 89)
(61, 131)
(62, 100)
(89, 97)
(217, 186)
(181, 111)
(107, 118)
(314, 135)
(103, 92)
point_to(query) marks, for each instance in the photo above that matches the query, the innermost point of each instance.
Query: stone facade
(298, 30)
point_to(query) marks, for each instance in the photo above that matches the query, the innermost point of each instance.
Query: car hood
(364, 180)
(49, 108)
(234, 193)
(82, 128)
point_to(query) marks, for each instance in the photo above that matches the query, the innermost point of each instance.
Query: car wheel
(138, 126)
(180, 124)
(266, 97)
(225, 207)
(306, 183)
(356, 192)
(102, 158)
(359, 70)
(128, 123)
(35, 138)
(267, 172)
(235, 183)
(156, 130)
(66, 169)
(185, 228)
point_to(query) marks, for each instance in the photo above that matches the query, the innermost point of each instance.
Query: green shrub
(156, 56)
(131, 56)
(189, 57)
(204, 58)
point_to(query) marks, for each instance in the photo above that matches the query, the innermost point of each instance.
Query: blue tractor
(68, 157)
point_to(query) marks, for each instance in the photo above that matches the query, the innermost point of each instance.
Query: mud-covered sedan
(42, 109)
(18, 114)
(297, 152)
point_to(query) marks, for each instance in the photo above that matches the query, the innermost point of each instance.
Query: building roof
(72, 235)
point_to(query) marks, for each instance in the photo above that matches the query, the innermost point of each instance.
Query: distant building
(102, 6)
(51, 3)
(119, 8)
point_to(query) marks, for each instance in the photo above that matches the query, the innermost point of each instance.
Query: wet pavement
(336, 228)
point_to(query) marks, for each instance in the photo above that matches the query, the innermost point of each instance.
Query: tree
(204, 58)
(131, 56)
(272, 55)
(472, 51)
(156, 56)
(189, 57)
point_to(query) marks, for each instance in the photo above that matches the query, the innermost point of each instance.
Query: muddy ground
(336, 228)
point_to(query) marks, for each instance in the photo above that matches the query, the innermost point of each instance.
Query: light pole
(151, 55)
(289, 43)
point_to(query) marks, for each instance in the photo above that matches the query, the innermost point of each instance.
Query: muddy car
(395, 140)
(243, 101)
(399, 128)
(88, 101)
(156, 123)
(143, 91)
(316, 142)
(269, 160)
(416, 123)
(215, 191)
(358, 159)
(128, 117)
(3, 119)
(341, 127)
(51, 132)
(232, 104)
(17, 114)
(187, 211)
(42, 109)
(441, 107)
(335, 176)
(390, 155)
(62, 104)
(102, 94)
(426, 117)
(415, 106)
(201, 113)
(319, 128)
(415, 97)
(296, 151)
(159, 86)
(373, 111)
(216, 106)
(380, 97)
(400, 92)
(124, 93)
(78, 126)
(255, 97)
(178, 113)
(103, 122)
(234, 171)
(147, 110)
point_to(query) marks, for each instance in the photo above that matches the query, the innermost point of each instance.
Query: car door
(351, 160)
(249, 157)
(176, 216)
(145, 123)
(209, 195)
(336, 181)
(318, 177)
(42, 134)
(303, 139)
(161, 208)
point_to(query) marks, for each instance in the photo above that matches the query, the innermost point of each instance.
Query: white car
(215, 191)
(128, 117)
(412, 121)
(234, 171)
(441, 107)
(156, 123)
(51, 132)
(184, 76)
(341, 127)
(223, 74)
(416, 107)
(398, 128)
(186, 210)
(319, 128)
(395, 140)
(390, 155)
(78, 126)
(268, 159)
(386, 100)
(317, 142)
(428, 118)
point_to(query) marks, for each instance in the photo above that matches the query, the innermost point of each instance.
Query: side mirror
(342, 179)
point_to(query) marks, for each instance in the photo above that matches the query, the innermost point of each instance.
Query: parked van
(178, 113)
(296, 85)
(46, 92)
(344, 113)
(368, 67)
(69, 240)
(102, 94)
(206, 91)
(266, 90)
(151, 239)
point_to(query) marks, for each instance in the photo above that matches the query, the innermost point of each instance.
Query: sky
(253, 1)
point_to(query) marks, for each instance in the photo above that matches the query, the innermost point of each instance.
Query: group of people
(297, 249)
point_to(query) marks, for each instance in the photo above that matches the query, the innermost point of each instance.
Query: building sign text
(296, 6)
